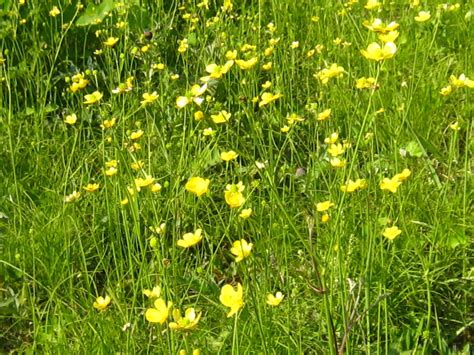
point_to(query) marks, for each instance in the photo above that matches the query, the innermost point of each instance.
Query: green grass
(346, 287)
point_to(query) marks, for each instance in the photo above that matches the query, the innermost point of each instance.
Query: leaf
(414, 149)
(94, 14)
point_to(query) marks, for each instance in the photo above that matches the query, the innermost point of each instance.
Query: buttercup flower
(275, 300)
(154, 293)
(54, 11)
(190, 239)
(91, 187)
(160, 313)
(228, 156)
(423, 16)
(241, 249)
(352, 186)
(391, 232)
(149, 98)
(233, 195)
(74, 196)
(102, 303)
(222, 117)
(246, 64)
(93, 98)
(334, 71)
(376, 52)
(232, 297)
(267, 98)
(324, 115)
(71, 119)
(245, 213)
(188, 322)
(197, 185)
(324, 206)
(111, 41)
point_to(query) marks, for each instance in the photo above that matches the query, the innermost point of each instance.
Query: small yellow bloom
(275, 300)
(54, 11)
(334, 71)
(228, 156)
(108, 123)
(241, 249)
(245, 213)
(390, 184)
(111, 171)
(181, 101)
(136, 134)
(267, 98)
(149, 98)
(332, 138)
(137, 165)
(372, 4)
(222, 117)
(324, 206)
(208, 132)
(324, 218)
(285, 129)
(147, 181)
(446, 90)
(231, 55)
(246, 64)
(232, 297)
(389, 37)
(190, 239)
(403, 175)
(294, 44)
(266, 84)
(455, 126)
(324, 115)
(197, 186)
(160, 313)
(335, 149)
(102, 303)
(156, 187)
(154, 293)
(93, 98)
(337, 163)
(111, 41)
(233, 195)
(71, 119)
(391, 232)
(376, 52)
(91, 187)
(293, 118)
(188, 322)
(198, 115)
(423, 16)
(267, 66)
(366, 83)
(352, 186)
(74, 196)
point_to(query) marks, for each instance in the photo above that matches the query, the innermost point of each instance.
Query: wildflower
(267, 98)
(197, 186)
(208, 132)
(231, 55)
(190, 239)
(378, 26)
(352, 186)
(149, 98)
(332, 138)
(228, 156)
(108, 123)
(324, 115)
(227, 6)
(335, 149)
(334, 71)
(372, 4)
(111, 41)
(198, 115)
(137, 165)
(403, 175)
(455, 126)
(241, 249)
(293, 118)
(233, 195)
(275, 300)
(154, 293)
(54, 11)
(74, 196)
(324, 206)
(391, 232)
(461, 81)
(156, 187)
(294, 44)
(222, 117)
(136, 134)
(71, 119)
(337, 163)
(325, 217)
(183, 45)
(423, 16)
(160, 312)
(93, 98)
(91, 187)
(188, 322)
(111, 171)
(102, 303)
(446, 90)
(376, 52)
(284, 129)
(366, 83)
(267, 66)
(389, 37)
(245, 213)
(216, 71)
(232, 297)
(246, 64)
(147, 181)
(390, 184)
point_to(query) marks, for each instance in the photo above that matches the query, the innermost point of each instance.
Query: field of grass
(266, 176)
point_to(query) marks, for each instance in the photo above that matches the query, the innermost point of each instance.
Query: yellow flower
(267, 97)
(352, 186)
(366, 83)
(188, 322)
(378, 26)
(246, 64)
(227, 6)
(376, 52)
(275, 300)
(216, 71)
(284, 129)
(190, 239)
(391, 232)
(154, 293)
(111, 41)
(334, 71)
(181, 101)
(111, 171)
(389, 37)
(108, 123)
(335, 149)
(403, 175)
(372, 4)
(93, 98)
(324, 206)
(137, 165)
(324, 218)
(446, 90)
(74, 196)
(423, 16)
(267, 66)
(147, 181)
(156, 187)
(455, 126)
(332, 138)
(111, 163)
(149, 98)
(91, 187)
(337, 163)
(222, 117)
(461, 81)
(54, 11)
(293, 118)
(241, 249)
(160, 313)
(102, 303)
(232, 297)
(136, 134)
(323, 115)
(294, 44)
(197, 186)
(233, 195)
(228, 156)
(245, 213)
(231, 55)
(390, 184)
(198, 115)
(71, 119)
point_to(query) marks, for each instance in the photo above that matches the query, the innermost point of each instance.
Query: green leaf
(414, 149)
(95, 13)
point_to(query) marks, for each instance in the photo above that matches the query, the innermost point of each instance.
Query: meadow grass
(360, 216)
